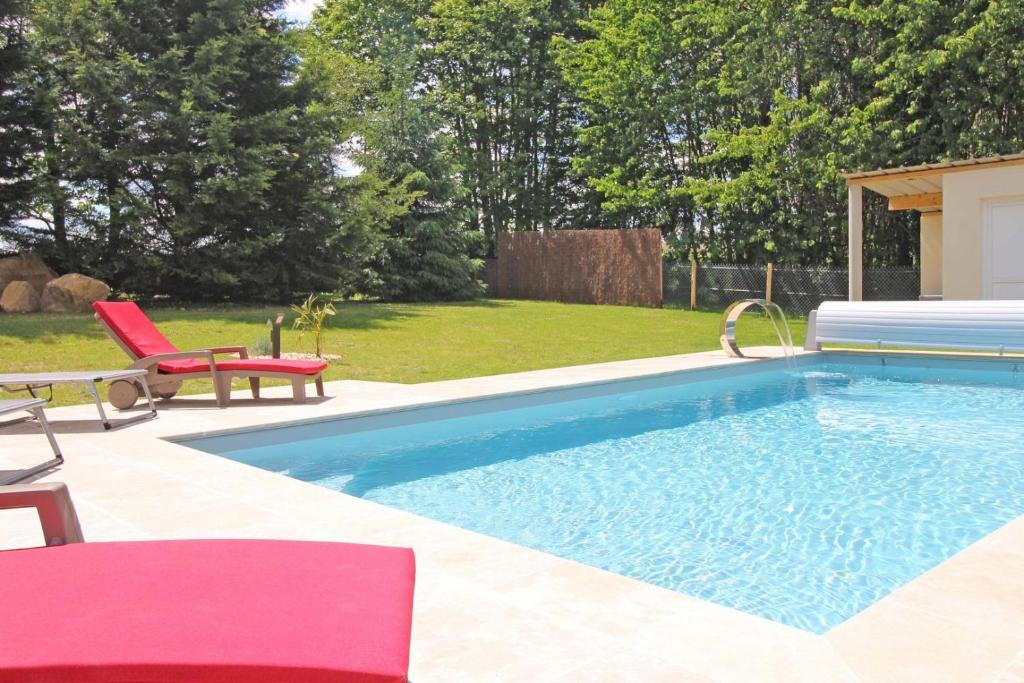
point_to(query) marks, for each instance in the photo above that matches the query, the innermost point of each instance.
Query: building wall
(963, 202)
(931, 253)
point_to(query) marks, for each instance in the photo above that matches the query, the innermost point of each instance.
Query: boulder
(28, 268)
(73, 293)
(20, 297)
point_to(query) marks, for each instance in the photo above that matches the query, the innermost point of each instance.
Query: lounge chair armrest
(240, 350)
(156, 358)
(53, 504)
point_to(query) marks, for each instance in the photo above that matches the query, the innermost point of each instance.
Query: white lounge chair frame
(34, 408)
(995, 326)
(52, 503)
(89, 381)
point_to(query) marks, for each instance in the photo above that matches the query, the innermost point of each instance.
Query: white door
(1004, 250)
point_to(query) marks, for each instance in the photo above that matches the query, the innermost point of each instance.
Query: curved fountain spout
(775, 315)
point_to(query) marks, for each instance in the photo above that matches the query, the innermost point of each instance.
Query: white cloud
(300, 11)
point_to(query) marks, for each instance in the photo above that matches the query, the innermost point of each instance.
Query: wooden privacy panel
(620, 267)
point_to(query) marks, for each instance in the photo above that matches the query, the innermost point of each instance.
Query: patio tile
(498, 565)
(605, 602)
(981, 585)
(148, 501)
(459, 630)
(211, 518)
(1009, 538)
(98, 524)
(627, 664)
(1014, 673)
(20, 528)
(729, 645)
(893, 643)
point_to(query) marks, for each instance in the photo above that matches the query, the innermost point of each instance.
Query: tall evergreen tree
(427, 252)
(200, 162)
(427, 255)
(19, 118)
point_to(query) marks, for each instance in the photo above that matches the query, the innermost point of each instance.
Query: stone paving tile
(891, 642)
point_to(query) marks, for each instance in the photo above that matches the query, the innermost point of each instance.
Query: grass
(405, 343)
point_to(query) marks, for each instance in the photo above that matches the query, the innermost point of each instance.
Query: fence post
(768, 282)
(693, 284)
(275, 336)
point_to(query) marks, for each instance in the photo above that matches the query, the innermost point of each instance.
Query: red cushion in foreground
(205, 611)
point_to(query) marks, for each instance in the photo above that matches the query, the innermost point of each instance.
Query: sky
(299, 10)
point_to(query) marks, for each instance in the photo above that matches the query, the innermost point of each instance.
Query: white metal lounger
(33, 406)
(969, 325)
(88, 380)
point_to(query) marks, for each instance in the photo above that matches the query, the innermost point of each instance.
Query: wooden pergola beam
(929, 200)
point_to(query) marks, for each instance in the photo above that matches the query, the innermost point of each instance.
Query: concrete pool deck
(488, 610)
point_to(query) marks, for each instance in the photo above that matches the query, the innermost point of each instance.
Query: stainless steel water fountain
(775, 315)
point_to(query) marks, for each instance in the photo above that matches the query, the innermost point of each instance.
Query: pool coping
(462, 400)
(524, 614)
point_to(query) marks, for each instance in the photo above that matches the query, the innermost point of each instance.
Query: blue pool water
(801, 496)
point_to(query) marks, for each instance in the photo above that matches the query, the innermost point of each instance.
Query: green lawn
(394, 342)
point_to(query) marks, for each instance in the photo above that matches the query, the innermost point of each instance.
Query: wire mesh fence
(798, 290)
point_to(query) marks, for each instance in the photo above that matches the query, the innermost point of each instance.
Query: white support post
(856, 242)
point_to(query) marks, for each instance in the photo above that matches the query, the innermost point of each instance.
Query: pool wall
(225, 441)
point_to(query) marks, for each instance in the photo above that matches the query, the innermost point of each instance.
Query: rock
(73, 293)
(27, 267)
(20, 297)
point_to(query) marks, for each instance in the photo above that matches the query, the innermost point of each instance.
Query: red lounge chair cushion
(292, 367)
(205, 611)
(132, 326)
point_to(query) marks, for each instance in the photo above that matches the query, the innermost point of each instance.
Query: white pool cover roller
(975, 325)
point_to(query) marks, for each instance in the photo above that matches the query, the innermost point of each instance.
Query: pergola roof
(921, 185)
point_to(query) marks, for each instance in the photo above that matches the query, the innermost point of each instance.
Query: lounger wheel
(123, 394)
(167, 390)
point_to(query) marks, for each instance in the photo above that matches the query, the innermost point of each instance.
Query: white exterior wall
(964, 197)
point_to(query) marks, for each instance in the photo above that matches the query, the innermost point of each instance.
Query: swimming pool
(802, 496)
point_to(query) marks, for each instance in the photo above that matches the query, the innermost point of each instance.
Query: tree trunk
(115, 228)
(58, 205)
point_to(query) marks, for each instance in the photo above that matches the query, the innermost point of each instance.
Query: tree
(776, 193)
(948, 77)
(502, 94)
(183, 147)
(726, 123)
(642, 78)
(19, 120)
(199, 162)
(426, 254)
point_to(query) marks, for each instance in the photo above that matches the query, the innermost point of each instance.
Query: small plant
(263, 346)
(310, 316)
